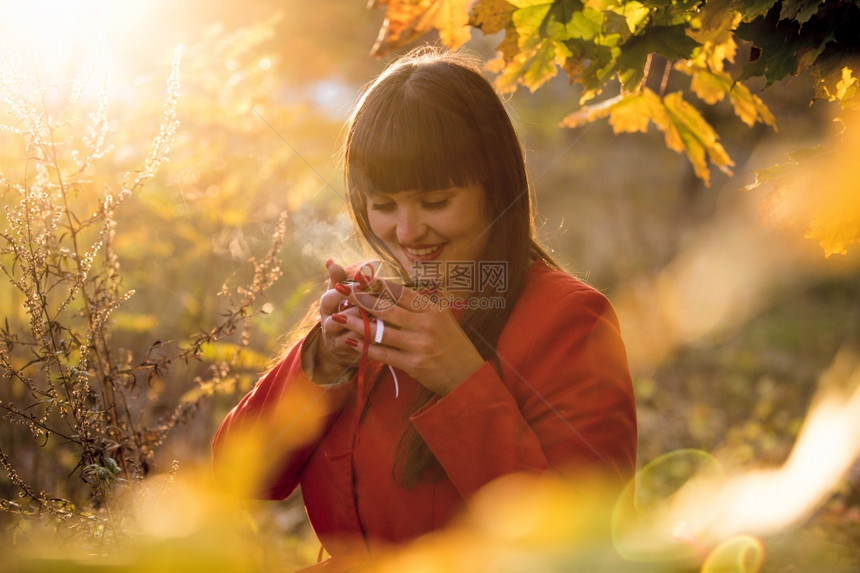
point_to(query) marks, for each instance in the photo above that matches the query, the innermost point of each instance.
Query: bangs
(412, 144)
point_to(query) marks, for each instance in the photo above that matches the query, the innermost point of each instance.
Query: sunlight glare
(45, 29)
(741, 554)
(708, 510)
(50, 38)
(828, 444)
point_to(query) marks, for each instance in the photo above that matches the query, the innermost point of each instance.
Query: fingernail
(352, 342)
(361, 279)
(328, 262)
(339, 318)
(342, 289)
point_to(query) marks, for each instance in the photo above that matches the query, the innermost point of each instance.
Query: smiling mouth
(423, 251)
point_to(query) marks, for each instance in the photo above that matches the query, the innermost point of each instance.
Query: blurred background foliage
(730, 325)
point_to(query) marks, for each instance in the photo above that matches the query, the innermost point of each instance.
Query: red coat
(564, 402)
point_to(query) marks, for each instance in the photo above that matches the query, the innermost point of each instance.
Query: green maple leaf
(800, 10)
(568, 20)
(671, 12)
(529, 20)
(671, 42)
(601, 57)
(752, 9)
(542, 67)
(776, 39)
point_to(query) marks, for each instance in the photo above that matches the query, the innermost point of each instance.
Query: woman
(397, 407)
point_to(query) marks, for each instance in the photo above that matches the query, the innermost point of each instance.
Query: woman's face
(431, 229)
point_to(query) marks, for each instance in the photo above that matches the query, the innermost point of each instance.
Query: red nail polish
(362, 279)
(342, 289)
(352, 342)
(339, 318)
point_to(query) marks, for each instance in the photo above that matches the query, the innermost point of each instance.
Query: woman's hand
(333, 354)
(420, 337)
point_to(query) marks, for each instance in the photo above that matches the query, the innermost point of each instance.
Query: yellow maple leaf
(510, 72)
(634, 112)
(406, 20)
(820, 192)
(452, 21)
(713, 86)
(835, 223)
(491, 16)
(688, 131)
(589, 113)
(710, 87)
(749, 107)
(835, 83)
(684, 129)
(847, 85)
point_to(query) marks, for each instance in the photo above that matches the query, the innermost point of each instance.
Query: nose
(410, 227)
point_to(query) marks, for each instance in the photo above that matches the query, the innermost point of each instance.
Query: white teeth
(421, 252)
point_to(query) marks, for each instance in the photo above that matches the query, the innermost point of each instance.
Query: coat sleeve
(264, 441)
(565, 403)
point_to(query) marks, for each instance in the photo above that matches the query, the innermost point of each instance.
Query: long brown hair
(432, 121)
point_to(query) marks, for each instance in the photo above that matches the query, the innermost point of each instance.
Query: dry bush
(65, 381)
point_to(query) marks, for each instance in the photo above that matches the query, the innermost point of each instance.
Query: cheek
(475, 222)
(477, 233)
(377, 224)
